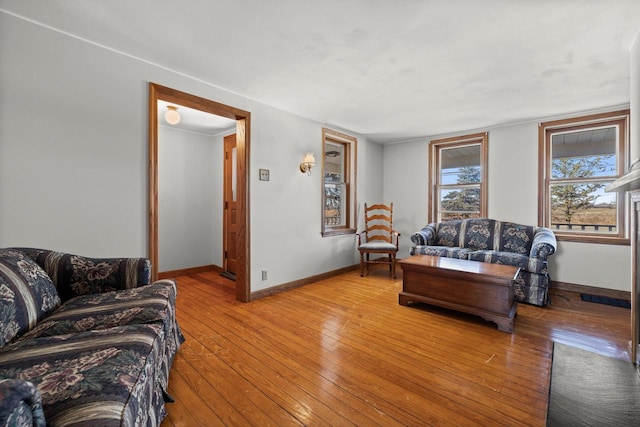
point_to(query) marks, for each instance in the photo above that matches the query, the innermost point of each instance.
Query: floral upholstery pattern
(448, 233)
(426, 236)
(498, 242)
(26, 402)
(445, 251)
(516, 238)
(478, 233)
(75, 275)
(534, 265)
(26, 294)
(92, 373)
(103, 356)
(147, 304)
(532, 288)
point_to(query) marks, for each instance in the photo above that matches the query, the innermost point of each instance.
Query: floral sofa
(83, 341)
(500, 242)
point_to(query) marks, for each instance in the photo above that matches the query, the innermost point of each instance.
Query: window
(338, 171)
(458, 179)
(578, 158)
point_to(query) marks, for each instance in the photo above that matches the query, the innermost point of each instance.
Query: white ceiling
(389, 70)
(195, 120)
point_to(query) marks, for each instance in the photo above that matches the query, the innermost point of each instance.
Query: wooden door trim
(243, 126)
(228, 204)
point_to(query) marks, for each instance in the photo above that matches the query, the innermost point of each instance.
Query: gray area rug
(588, 389)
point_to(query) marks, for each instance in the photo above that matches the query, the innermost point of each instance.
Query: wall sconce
(171, 115)
(307, 163)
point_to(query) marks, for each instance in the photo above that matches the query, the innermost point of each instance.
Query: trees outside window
(579, 158)
(458, 179)
(570, 202)
(465, 201)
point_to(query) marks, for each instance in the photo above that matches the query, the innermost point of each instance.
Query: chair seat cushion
(377, 246)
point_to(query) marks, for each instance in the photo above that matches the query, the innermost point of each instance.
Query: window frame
(349, 144)
(546, 130)
(435, 147)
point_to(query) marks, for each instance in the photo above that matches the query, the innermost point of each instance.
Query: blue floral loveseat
(499, 242)
(83, 341)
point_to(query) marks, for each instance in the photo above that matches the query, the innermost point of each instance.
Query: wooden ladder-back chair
(378, 237)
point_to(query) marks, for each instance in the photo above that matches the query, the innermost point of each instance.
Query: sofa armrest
(76, 275)
(544, 243)
(20, 404)
(426, 236)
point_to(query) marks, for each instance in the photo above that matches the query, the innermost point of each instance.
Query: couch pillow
(448, 233)
(479, 233)
(516, 238)
(27, 294)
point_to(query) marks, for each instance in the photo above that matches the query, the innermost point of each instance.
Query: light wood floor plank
(236, 400)
(450, 385)
(342, 351)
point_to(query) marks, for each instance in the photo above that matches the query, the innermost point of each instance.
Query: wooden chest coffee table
(478, 288)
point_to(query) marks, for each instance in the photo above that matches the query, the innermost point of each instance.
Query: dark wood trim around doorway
(243, 126)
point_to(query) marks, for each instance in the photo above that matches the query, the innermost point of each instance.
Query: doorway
(242, 118)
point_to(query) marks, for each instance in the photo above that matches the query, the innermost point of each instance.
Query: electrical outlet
(264, 174)
(264, 274)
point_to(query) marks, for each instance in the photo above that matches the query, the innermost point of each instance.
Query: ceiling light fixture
(172, 116)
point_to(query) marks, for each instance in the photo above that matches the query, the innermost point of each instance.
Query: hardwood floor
(342, 351)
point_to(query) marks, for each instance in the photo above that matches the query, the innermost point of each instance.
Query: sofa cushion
(448, 233)
(516, 238)
(479, 233)
(27, 294)
(146, 304)
(443, 251)
(498, 257)
(533, 265)
(107, 378)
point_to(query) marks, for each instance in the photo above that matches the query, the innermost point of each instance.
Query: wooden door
(230, 226)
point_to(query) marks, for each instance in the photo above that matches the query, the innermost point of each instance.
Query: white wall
(286, 213)
(73, 166)
(406, 175)
(635, 98)
(190, 175)
(513, 196)
(73, 158)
